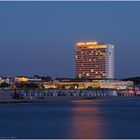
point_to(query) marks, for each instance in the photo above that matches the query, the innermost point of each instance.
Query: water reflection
(87, 121)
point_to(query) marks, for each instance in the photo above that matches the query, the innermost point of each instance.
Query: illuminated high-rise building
(94, 60)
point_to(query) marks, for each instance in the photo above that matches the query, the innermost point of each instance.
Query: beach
(5, 97)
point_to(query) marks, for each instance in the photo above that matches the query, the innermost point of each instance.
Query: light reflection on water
(87, 122)
(82, 101)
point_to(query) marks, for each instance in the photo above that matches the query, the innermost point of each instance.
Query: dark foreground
(103, 118)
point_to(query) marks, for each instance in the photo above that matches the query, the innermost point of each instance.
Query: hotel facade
(94, 60)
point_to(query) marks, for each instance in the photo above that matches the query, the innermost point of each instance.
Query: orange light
(91, 43)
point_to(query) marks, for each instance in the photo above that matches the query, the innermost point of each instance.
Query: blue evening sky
(40, 37)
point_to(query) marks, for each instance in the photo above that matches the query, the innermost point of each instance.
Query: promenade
(6, 97)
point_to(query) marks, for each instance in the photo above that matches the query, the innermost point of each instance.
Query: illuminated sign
(80, 43)
(86, 43)
(91, 43)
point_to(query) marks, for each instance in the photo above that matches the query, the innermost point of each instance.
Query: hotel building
(94, 60)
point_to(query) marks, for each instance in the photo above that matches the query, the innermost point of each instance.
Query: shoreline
(6, 98)
(67, 99)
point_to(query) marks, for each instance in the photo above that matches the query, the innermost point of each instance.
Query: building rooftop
(91, 45)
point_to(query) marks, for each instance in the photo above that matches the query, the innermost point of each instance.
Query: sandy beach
(5, 97)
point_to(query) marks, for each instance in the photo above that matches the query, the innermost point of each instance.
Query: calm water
(96, 119)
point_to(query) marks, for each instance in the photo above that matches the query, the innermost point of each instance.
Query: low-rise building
(34, 80)
(116, 84)
(1, 79)
(21, 79)
(77, 84)
(5, 80)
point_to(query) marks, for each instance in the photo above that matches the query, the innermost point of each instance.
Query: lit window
(79, 75)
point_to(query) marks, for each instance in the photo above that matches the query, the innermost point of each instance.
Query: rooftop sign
(86, 43)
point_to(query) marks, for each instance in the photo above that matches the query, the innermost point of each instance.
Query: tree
(4, 85)
(90, 88)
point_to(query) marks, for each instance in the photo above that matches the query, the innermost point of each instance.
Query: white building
(110, 61)
(116, 84)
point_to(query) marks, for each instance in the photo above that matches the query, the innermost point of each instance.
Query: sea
(78, 119)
